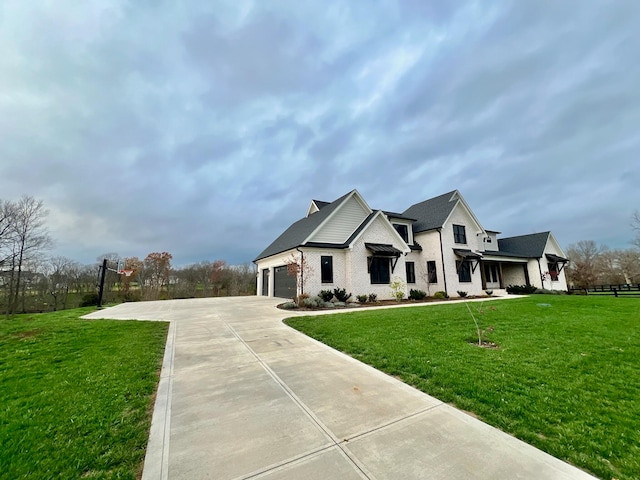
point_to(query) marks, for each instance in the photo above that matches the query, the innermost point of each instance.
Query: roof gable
(316, 206)
(434, 212)
(338, 226)
(309, 229)
(379, 215)
(299, 231)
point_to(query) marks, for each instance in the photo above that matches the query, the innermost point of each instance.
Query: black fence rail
(626, 290)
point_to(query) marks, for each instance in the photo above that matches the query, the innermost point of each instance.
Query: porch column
(526, 273)
(271, 281)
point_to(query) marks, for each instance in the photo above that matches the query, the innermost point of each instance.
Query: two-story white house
(435, 245)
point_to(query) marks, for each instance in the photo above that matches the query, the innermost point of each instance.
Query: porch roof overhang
(467, 254)
(556, 259)
(504, 259)
(473, 257)
(383, 250)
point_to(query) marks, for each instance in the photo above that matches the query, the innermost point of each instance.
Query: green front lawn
(76, 395)
(565, 376)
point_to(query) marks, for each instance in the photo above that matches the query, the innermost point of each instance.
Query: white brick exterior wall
(430, 243)
(460, 216)
(379, 231)
(313, 283)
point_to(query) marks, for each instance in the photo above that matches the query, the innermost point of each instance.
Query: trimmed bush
(417, 294)
(362, 298)
(549, 292)
(325, 295)
(289, 306)
(373, 298)
(312, 302)
(440, 295)
(521, 289)
(341, 294)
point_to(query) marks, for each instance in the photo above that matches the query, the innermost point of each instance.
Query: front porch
(497, 274)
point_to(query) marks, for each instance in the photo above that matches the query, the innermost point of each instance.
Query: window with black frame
(380, 270)
(459, 234)
(411, 272)
(553, 271)
(464, 271)
(432, 274)
(403, 230)
(326, 268)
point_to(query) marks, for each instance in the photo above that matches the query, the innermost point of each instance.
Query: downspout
(301, 270)
(444, 270)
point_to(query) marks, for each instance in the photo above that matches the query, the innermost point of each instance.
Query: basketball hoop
(125, 272)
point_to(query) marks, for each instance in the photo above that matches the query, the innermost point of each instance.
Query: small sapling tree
(298, 266)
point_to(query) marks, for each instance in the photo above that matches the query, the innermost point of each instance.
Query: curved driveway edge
(243, 396)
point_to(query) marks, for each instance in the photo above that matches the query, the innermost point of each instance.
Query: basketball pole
(103, 273)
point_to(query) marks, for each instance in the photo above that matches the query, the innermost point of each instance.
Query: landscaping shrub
(325, 295)
(373, 298)
(89, 300)
(417, 294)
(289, 306)
(312, 302)
(521, 289)
(489, 292)
(440, 295)
(397, 288)
(341, 294)
(544, 291)
(362, 298)
(462, 293)
(300, 298)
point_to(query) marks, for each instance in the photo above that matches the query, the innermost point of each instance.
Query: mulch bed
(382, 303)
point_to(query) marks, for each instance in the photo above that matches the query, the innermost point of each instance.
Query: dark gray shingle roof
(531, 246)
(431, 213)
(293, 236)
(398, 216)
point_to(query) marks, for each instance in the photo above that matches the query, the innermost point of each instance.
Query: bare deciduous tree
(156, 269)
(635, 224)
(299, 267)
(29, 239)
(583, 269)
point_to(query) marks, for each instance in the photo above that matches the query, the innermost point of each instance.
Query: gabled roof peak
(433, 213)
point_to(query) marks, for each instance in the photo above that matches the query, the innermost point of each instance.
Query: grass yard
(565, 376)
(76, 395)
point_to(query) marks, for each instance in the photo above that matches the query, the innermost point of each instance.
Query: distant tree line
(592, 264)
(32, 281)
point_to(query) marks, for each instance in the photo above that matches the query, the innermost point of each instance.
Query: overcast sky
(206, 128)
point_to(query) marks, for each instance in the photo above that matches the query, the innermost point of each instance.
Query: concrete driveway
(243, 396)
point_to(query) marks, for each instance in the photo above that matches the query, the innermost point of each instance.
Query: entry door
(491, 275)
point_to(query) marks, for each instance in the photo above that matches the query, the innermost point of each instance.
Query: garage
(284, 285)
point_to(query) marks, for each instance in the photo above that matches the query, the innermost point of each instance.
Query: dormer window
(403, 230)
(459, 234)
